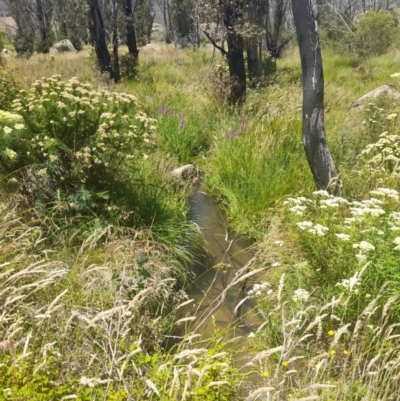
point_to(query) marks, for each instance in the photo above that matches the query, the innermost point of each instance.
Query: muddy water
(227, 253)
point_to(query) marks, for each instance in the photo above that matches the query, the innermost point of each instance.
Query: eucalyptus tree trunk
(254, 64)
(43, 17)
(116, 74)
(235, 52)
(130, 29)
(317, 152)
(257, 12)
(99, 37)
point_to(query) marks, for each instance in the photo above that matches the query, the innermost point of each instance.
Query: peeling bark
(317, 152)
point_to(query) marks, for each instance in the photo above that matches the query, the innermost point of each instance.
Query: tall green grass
(251, 171)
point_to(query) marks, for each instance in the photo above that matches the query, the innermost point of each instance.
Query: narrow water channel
(227, 253)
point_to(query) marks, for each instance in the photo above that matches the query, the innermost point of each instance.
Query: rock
(387, 89)
(157, 27)
(62, 45)
(5, 51)
(53, 50)
(185, 172)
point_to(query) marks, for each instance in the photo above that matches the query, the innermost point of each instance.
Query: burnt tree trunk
(275, 20)
(43, 17)
(318, 155)
(41, 22)
(97, 32)
(257, 12)
(116, 74)
(254, 64)
(235, 55)
(130, 29)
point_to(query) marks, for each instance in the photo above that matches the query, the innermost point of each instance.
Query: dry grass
(67, 64)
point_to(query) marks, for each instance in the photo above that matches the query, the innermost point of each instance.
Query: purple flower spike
(232, 134)
(162, 111)
(243, 123)
(182, 122)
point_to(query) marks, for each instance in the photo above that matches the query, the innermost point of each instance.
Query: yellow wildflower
(265, 373)
(332, 352)
(285, 363)
(331, 332)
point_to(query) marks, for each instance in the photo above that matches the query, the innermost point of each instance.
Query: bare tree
(277, 10)
(317, 152)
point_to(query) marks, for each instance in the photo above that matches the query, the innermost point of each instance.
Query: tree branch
(214, 43)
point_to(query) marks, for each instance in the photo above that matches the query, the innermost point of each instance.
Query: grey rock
(387, 89)
(184, 172)
(64, 43)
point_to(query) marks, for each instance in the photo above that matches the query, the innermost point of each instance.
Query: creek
(216, 298)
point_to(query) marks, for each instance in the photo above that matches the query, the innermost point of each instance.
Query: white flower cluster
(297, 204)
(383, 155)
(259, 289)
(394, 221)
(367, 208)
(301, 265)
(363, 247)
(300, 295)
(386, 193)
(343, 237)
(351, 283)
(316, 229)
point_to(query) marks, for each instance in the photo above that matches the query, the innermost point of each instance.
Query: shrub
(339, 237)
(77, 149)
(128, 65)
(24, 43)
(221, 82)
(375, 33)
(9, 86)
(371, 35)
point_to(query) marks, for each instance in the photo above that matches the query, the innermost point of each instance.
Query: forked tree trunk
(99, 37)
(314, 140)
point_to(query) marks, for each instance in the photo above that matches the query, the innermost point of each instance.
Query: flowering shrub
(76, 146)
(338, 237)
